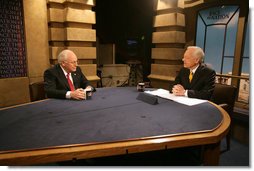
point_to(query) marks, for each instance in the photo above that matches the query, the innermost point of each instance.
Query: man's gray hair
(198, 52)
(63, 56)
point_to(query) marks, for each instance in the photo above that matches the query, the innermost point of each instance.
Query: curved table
(113, 122)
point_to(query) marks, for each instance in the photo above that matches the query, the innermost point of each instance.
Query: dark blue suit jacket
(202, 84)
(56, 84)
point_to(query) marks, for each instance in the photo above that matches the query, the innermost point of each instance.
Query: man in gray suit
(195, 79)
(65, 80)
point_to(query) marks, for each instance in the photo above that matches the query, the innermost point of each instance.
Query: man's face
(71, 63)
(190, 61)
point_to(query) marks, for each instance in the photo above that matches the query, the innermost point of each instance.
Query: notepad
(180, 99)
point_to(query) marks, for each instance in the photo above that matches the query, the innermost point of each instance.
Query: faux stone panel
(54, 51)
(180, 19)
(172, 19)
(78, 34)
(169, 37)
(165, 70)
(81, 52)
(168, 4)
(167, 53)
(18, 91)
(79, 15)
(56, 15)
(56, 34)
(89, 69)
(56, 1)
(87, 2)
(84, 52)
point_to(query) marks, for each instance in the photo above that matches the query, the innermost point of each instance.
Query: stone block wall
(169, 42)
(70, 27)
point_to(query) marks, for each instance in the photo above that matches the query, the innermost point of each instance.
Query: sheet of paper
(180, 99)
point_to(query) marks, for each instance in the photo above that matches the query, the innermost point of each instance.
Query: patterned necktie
(191, 76)
(70, 83)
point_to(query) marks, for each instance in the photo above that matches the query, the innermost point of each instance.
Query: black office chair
(99, 83)
(37, 91)
(225, 96)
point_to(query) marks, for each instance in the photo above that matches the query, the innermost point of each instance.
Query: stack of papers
(180, 99)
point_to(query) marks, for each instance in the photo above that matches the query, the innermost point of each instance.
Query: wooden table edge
(85, 151)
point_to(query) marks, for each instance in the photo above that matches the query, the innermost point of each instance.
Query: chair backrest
(225, 94)
(37, 91)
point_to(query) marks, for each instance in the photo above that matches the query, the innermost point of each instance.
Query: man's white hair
(198, 52)
(63, 55)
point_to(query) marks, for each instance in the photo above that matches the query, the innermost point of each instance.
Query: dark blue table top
(113, 114)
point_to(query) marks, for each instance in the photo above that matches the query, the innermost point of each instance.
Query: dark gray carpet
(238, 155)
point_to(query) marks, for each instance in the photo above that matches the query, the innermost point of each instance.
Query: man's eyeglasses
(72, 62)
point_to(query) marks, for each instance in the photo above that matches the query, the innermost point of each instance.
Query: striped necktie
(70, 83)
(191, 76)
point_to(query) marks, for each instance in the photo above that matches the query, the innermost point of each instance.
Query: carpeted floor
(238, 155)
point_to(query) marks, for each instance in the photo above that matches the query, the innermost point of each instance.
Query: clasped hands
(80, 93)
(178, 90)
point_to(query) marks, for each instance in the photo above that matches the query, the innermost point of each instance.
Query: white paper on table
(180, 99)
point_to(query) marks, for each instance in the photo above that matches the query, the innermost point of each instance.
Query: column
(70, 27)
(169, 42)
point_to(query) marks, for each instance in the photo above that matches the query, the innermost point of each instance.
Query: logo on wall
(217, 15)
(12, 42)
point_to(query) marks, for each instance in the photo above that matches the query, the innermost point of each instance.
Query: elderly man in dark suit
(65, 80)
(195, 79)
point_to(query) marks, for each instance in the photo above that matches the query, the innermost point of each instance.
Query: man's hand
(78, 94)
(178, 90)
